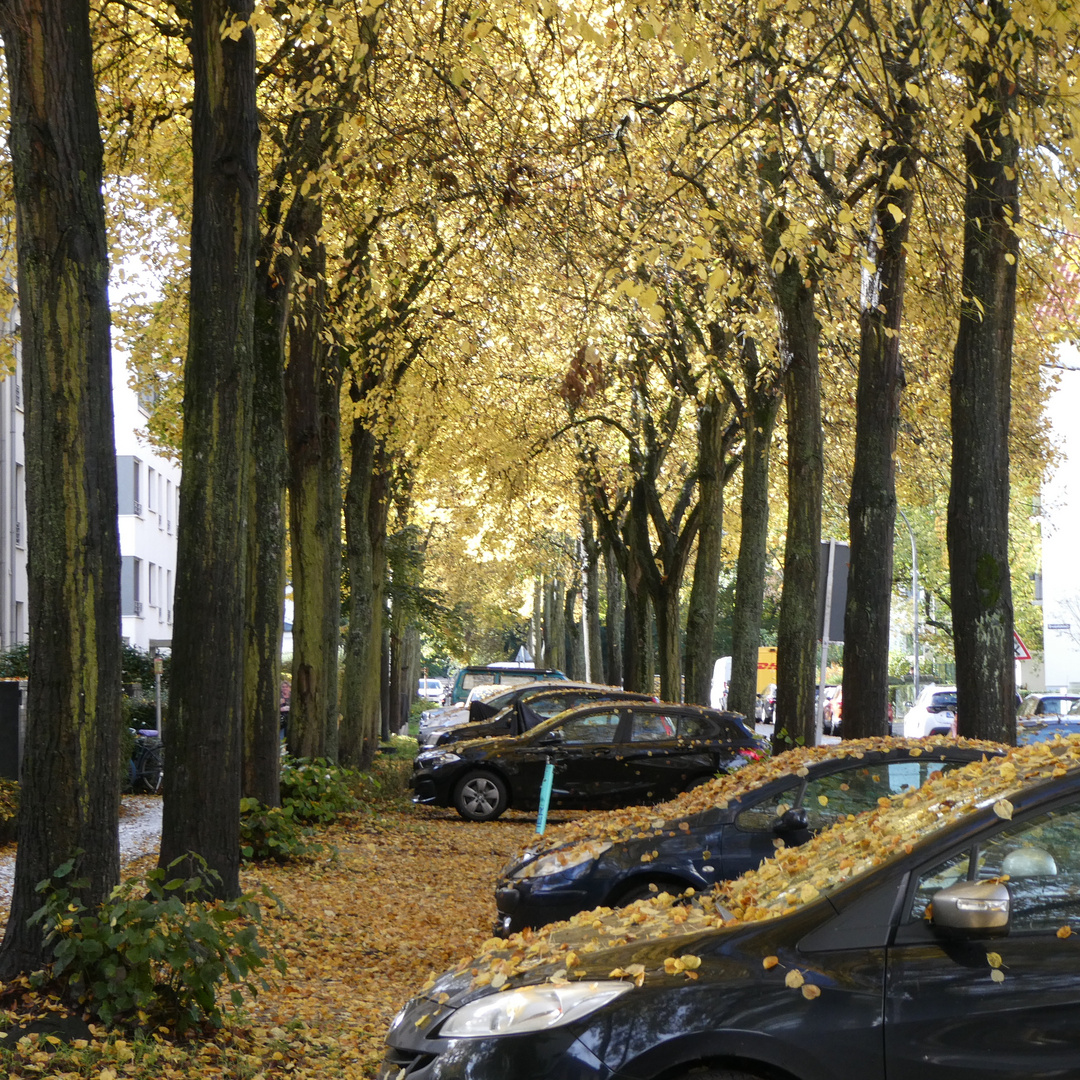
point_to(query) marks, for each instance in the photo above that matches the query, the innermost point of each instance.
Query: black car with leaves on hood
(717, 831)
(930, 939)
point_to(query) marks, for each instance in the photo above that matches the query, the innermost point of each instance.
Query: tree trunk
(763, 398)
(590, 576)
(313, 381)
(386, 678)
(202, 782)
(713, 443)
(365, 532)
(614, 621)
(637, 673)
(261, 769)
(70, 769)
(872, 505)
(665, 604)
(799, 335)
(557, 626)
(536, 631)
(575, 645)
(978, 525)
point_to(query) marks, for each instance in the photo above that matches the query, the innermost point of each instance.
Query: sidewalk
(140, 834)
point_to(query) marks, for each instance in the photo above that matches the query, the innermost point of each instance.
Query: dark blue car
(717, 831)
(931, 940)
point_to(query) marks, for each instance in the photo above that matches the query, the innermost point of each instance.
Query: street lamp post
(914, 599)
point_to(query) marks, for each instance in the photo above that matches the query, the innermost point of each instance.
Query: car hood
(630, 942)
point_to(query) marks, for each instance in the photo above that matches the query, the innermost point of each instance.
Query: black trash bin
(10, 696)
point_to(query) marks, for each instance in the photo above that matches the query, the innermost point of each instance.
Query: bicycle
(147, 763)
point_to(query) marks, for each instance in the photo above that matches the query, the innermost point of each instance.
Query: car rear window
(942, 701)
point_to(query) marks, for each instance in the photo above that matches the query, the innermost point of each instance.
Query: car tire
(706, 1072)
(481, 796)
(642, 890)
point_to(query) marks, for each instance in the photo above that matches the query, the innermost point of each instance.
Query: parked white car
(933, 712)
(435, 720)
(431, 690)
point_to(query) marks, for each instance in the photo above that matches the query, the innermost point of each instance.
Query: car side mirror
(972, 907)
(792, 820)
(553, 737)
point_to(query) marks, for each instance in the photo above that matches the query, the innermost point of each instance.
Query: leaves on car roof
(796, 876)
(642, 821)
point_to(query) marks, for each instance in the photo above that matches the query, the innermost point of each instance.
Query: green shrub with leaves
(9, 809)
(155, 953)
(273, 833)
(316, 790)
(15, 662)
(387, 782)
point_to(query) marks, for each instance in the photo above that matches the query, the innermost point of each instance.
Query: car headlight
(580, 855)
(435, 758)
(532, 1008)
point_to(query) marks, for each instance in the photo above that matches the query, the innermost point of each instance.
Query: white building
(148, 489)
(148, 494)
(1060, 533)
(14, 627)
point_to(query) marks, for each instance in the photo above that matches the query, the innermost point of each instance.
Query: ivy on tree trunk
(70, 768)
(202, 782)
(978, 524)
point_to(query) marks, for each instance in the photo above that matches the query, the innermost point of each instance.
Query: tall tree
(978, 528)
(759, 405)
(872, 506)
(792, 279)
(70, 770)
(202, 782)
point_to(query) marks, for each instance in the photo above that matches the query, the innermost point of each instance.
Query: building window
(151, 480)
(20, 506)
(130, 585)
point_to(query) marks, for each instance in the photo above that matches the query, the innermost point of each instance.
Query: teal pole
(545, 797)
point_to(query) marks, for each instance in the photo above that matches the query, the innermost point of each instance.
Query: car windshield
(796, 876)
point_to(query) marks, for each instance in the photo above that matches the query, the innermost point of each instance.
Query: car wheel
(480, 796)
(706, 1072)
(644, 889)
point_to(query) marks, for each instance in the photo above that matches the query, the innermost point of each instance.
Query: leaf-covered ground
(402, 892)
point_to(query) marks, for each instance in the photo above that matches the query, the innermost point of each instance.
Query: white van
(431, 689)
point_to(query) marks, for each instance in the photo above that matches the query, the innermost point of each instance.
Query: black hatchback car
(525, 707)
(603, 755)
(717, 831)
(929, 940)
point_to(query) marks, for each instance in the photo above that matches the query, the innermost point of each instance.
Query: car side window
(597, 729)
(697, 727)
(763, 815)
(853, 791)
(650, 727)
(1038, 859)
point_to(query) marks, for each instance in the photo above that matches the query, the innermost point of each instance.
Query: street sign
(1020, 650)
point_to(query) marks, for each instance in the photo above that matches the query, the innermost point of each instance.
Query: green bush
(273, 833)
(316, 790)
(155, 953)
(15, 662)
(9, 809)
